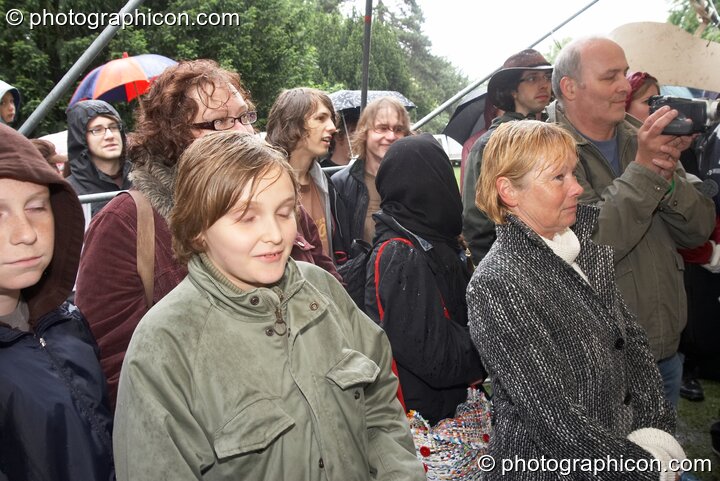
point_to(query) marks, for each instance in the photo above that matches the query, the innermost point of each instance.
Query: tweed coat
(571, 370)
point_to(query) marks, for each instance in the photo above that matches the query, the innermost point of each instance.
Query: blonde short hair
(515, 149)
(211, 174)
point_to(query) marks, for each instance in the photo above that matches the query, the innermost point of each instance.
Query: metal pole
(366, 55)
(75, 71)
(474, 85)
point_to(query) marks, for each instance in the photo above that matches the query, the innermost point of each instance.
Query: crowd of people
(202, 326)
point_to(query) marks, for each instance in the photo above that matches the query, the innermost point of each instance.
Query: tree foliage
(689, 16)
(278, 44)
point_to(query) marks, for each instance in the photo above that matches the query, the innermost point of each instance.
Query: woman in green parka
(256, 366)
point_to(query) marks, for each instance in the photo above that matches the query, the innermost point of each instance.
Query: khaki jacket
(210, 391)
(645, 224)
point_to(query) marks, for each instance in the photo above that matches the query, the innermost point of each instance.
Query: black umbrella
(350, 99)
(469, 116)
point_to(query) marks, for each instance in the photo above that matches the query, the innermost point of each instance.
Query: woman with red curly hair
(110, 291)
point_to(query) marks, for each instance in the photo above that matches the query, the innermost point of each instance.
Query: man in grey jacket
(648, 206)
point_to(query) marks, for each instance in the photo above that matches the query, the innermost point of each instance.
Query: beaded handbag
(450, 449)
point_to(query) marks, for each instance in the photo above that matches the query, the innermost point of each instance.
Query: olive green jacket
(645, 222)
(285, 383)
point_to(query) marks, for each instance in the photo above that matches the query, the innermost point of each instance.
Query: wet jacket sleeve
(391, 451)
(688, 213)
(629, 203)
(424, 341)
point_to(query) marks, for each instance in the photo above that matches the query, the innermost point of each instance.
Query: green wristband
(672, 187)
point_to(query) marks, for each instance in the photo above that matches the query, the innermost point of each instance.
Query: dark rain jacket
(84, 177)
(54, 420)
(350, 185)
(424, 320)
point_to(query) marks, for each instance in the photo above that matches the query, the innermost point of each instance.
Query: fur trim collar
(157, 182)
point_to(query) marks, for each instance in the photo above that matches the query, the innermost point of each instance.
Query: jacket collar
(591, 258)
(391, 224)
(556, 114)
(261, 304)
(10, 336)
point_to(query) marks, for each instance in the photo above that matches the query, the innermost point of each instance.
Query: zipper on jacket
(84, 408)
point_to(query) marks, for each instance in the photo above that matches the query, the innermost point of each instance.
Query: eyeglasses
(227, 123)
(102, 130)
(384, 129)
(537, 77)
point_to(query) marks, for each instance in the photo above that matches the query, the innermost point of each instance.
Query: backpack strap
(145, 244)
(381, 311)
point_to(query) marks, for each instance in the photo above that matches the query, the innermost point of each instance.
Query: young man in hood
(9, 103)
(96, 150)
(55, 423)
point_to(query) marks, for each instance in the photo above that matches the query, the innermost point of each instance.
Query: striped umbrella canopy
(122, 79)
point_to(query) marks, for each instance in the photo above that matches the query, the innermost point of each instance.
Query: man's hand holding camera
(656, 151)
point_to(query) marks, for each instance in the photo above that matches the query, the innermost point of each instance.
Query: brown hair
(515, 149)
(162, 120)
(211, 175)
(367, 122)
(286, 124)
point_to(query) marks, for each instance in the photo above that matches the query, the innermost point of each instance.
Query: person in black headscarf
(417, 276)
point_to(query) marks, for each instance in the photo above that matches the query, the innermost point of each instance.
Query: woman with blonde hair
(572, 374)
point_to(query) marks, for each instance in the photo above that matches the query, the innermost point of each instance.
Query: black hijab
(417, 187)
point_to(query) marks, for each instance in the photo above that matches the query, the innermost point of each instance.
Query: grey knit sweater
(571, 370)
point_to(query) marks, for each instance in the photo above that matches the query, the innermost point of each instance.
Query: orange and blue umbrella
(122, 79)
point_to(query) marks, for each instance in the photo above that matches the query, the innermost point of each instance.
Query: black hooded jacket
(84, 177)
(417, 276)
(54, 421)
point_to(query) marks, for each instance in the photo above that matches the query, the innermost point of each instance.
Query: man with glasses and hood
(96, 150)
